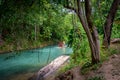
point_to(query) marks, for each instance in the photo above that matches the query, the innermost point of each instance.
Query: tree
(28, 23)
(90, 29)
(109, 23)
(88, 25)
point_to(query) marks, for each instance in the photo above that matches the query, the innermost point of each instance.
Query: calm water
(29, 60)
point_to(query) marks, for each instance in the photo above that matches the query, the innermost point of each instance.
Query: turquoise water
(29, 60)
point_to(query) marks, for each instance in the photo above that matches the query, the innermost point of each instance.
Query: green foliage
(88, 66)
(97, 78)
(80, 52)
(113, 51)
(116, 30)
(19, 19)
(66, 67)
(104, 55)
(100, 11)
(78, 42)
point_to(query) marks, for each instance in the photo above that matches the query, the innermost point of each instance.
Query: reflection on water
(28, 61)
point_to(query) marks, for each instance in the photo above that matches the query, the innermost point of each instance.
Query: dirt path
(110, 69)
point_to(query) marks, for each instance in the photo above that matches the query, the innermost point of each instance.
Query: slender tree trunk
(109, 23)
(93, 29)
(90, 31)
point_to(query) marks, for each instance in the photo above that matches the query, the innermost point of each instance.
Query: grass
(97, 78)
(88, 67)
(66, 68)
(104, 54)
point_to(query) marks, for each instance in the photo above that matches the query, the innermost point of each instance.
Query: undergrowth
(97, 78)
(81, 57)
(88, 67)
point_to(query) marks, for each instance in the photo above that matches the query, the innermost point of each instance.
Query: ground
(108, 70)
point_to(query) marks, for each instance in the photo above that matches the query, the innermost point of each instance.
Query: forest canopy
(29, 20)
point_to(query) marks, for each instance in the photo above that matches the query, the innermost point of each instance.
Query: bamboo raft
(50, 68)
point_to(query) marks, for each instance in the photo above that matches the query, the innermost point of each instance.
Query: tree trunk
(109, 23)
(94, 32)
(90, 31)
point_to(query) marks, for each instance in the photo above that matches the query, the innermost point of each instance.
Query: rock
(114, 56)
(116, 40)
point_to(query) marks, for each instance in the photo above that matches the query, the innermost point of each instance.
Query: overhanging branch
(71, 8)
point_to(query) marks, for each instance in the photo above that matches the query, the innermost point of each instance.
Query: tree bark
(94, 32)
(90, 31)
(109, 23)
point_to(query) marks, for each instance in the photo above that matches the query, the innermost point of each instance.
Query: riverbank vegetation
(29, 24)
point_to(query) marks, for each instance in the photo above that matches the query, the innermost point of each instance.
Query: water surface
(28, 61)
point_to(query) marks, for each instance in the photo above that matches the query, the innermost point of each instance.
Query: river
(28, 61)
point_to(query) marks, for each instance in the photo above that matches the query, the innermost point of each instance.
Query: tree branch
(88, 13)
(71, 8)
(109, 23)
